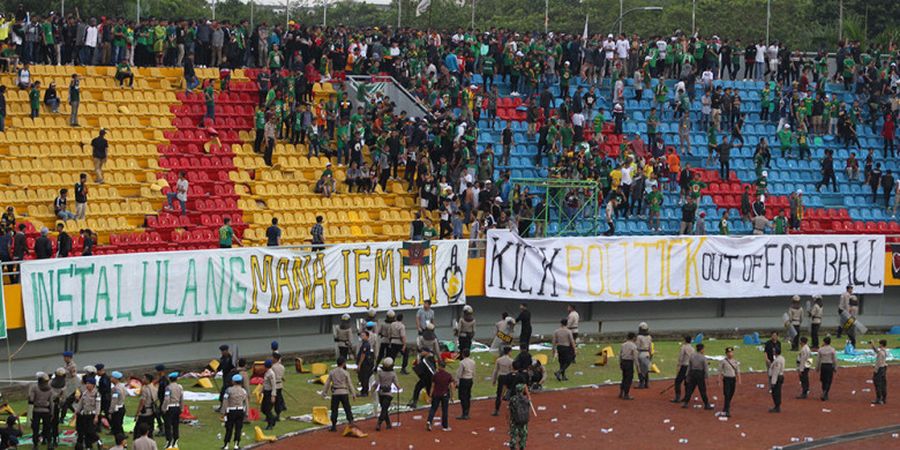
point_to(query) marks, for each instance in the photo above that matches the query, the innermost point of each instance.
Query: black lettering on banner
(799, 258)
(520, 263)
(831, 257)
(747, 272)
(547, 267)
(789, 277)
(768, 263)
(812, 267)
(872, 256)
(497, 262)
(843, 261)
(730, 259)
(709, 269)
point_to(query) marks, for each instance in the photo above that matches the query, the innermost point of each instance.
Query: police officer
(524, 321)
(341, 389)
(162, 381)
(466, 330)
(795, 318)
(644, 344)
(87, 413)
(278, 370)
(58, 387)
(365, 363)
(428, 339)
(145, 413)
(424, 369)
(383, 338)
(173, 397)
(116, 411)
(776, 380)
(843, 305)
(269, 395)
(465, 376)
(342, 336)
(729, 369)
(684, 358)
(397, 338)
(879, 377)
(853, 309)
(803, 366)
(563, 347)
(815, 319)
(386, 379)
(71, 385)
(40, 398)
(503, 368)
(226, 365)
(104, 386)
(572, 320)
(235, 405)
(697, 373)
(628, 354)
(503, 334)
(827, 366)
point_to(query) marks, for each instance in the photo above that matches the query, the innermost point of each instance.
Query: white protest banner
(74, 295)
(672, 267)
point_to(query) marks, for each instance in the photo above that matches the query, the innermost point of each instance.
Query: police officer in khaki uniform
(698, 371)
(465, 379)
(269, 393)
(466, 331)
(116, 410)
(235, 404)
(341, 389)
(776, 380)
(644, 344)
(386, 379)
(278, 370)
(87, 413)
(564, 349)
(503, 368)
(843, 305)
(803, 365)
(342, 336)
(684, 358)
(795, 318)
(815, 319)
(173, 398)
(145, 413)
(397, 338)
(879, 377)
(826, 365)
(729, 369)
(40, 399)
(628, 355)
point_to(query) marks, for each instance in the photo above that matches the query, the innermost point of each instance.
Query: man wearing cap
(145, 413)
(466, 329)
(40, 399)
(278, 369)
(365, 363)
(269, 393)
(116, 411)
(235, 404)
(341, 389)
(386, 379)
(795, 317)
(173, 397)
(342, 336)
(730, 372)
(226, 366)
(87, 413)
(104, 386)
(396, 336)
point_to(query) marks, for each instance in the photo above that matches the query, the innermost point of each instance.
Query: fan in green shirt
(47, 29)
(784, 139)
(34, 96)
(487, 66)
(655, 200)
(781, 223)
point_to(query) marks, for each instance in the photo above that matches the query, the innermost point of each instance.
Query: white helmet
(345, 317)
(429, 325)
(391, 313)
(468, 309)
(643, 326)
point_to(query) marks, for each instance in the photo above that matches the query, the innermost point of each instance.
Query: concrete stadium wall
(187, 343)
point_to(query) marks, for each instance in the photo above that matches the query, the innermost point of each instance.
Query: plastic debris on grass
(683, 441)
(672, 428)
(554, 420)
(606, 430)
(666, 420)
(826, 410)
(541, 408)
(491, 429)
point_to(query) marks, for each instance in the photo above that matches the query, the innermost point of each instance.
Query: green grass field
(302, 395)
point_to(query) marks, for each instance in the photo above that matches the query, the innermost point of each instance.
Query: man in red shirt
(442, 383)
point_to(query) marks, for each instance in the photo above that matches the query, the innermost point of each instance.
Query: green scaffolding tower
(558, 215)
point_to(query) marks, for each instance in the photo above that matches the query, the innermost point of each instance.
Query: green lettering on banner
(119, 314)
(213, 289)
(237, 287)
(190, 288)
(42, 296)
(82, 272)
(102, 294)
(144, 310)
(60, 297)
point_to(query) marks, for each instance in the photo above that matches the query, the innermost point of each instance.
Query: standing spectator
(6, 244)
(100, 148)
(852, 167)
(270, 133)
(60, 206)
(795, 203)
(74, 99)
(688, 216)
(610, 216)
(19, 250)
(34, 98)
(189, 74)
(8, 219)
(654, 205)
(2, 109)
(43, 248)
(700, 227)
(180, 194)
(896, 198)
(723, 224)
(63, 241)
(81, 197)
(760, 223)
(317, 235)
(273, 234)
(506, 139)
(724, 159)
(875, 181)
(209, 97)
(887, 185)
(226, 234)
(827, 172)
(780, 223)
(887, 133)
(88, 240)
